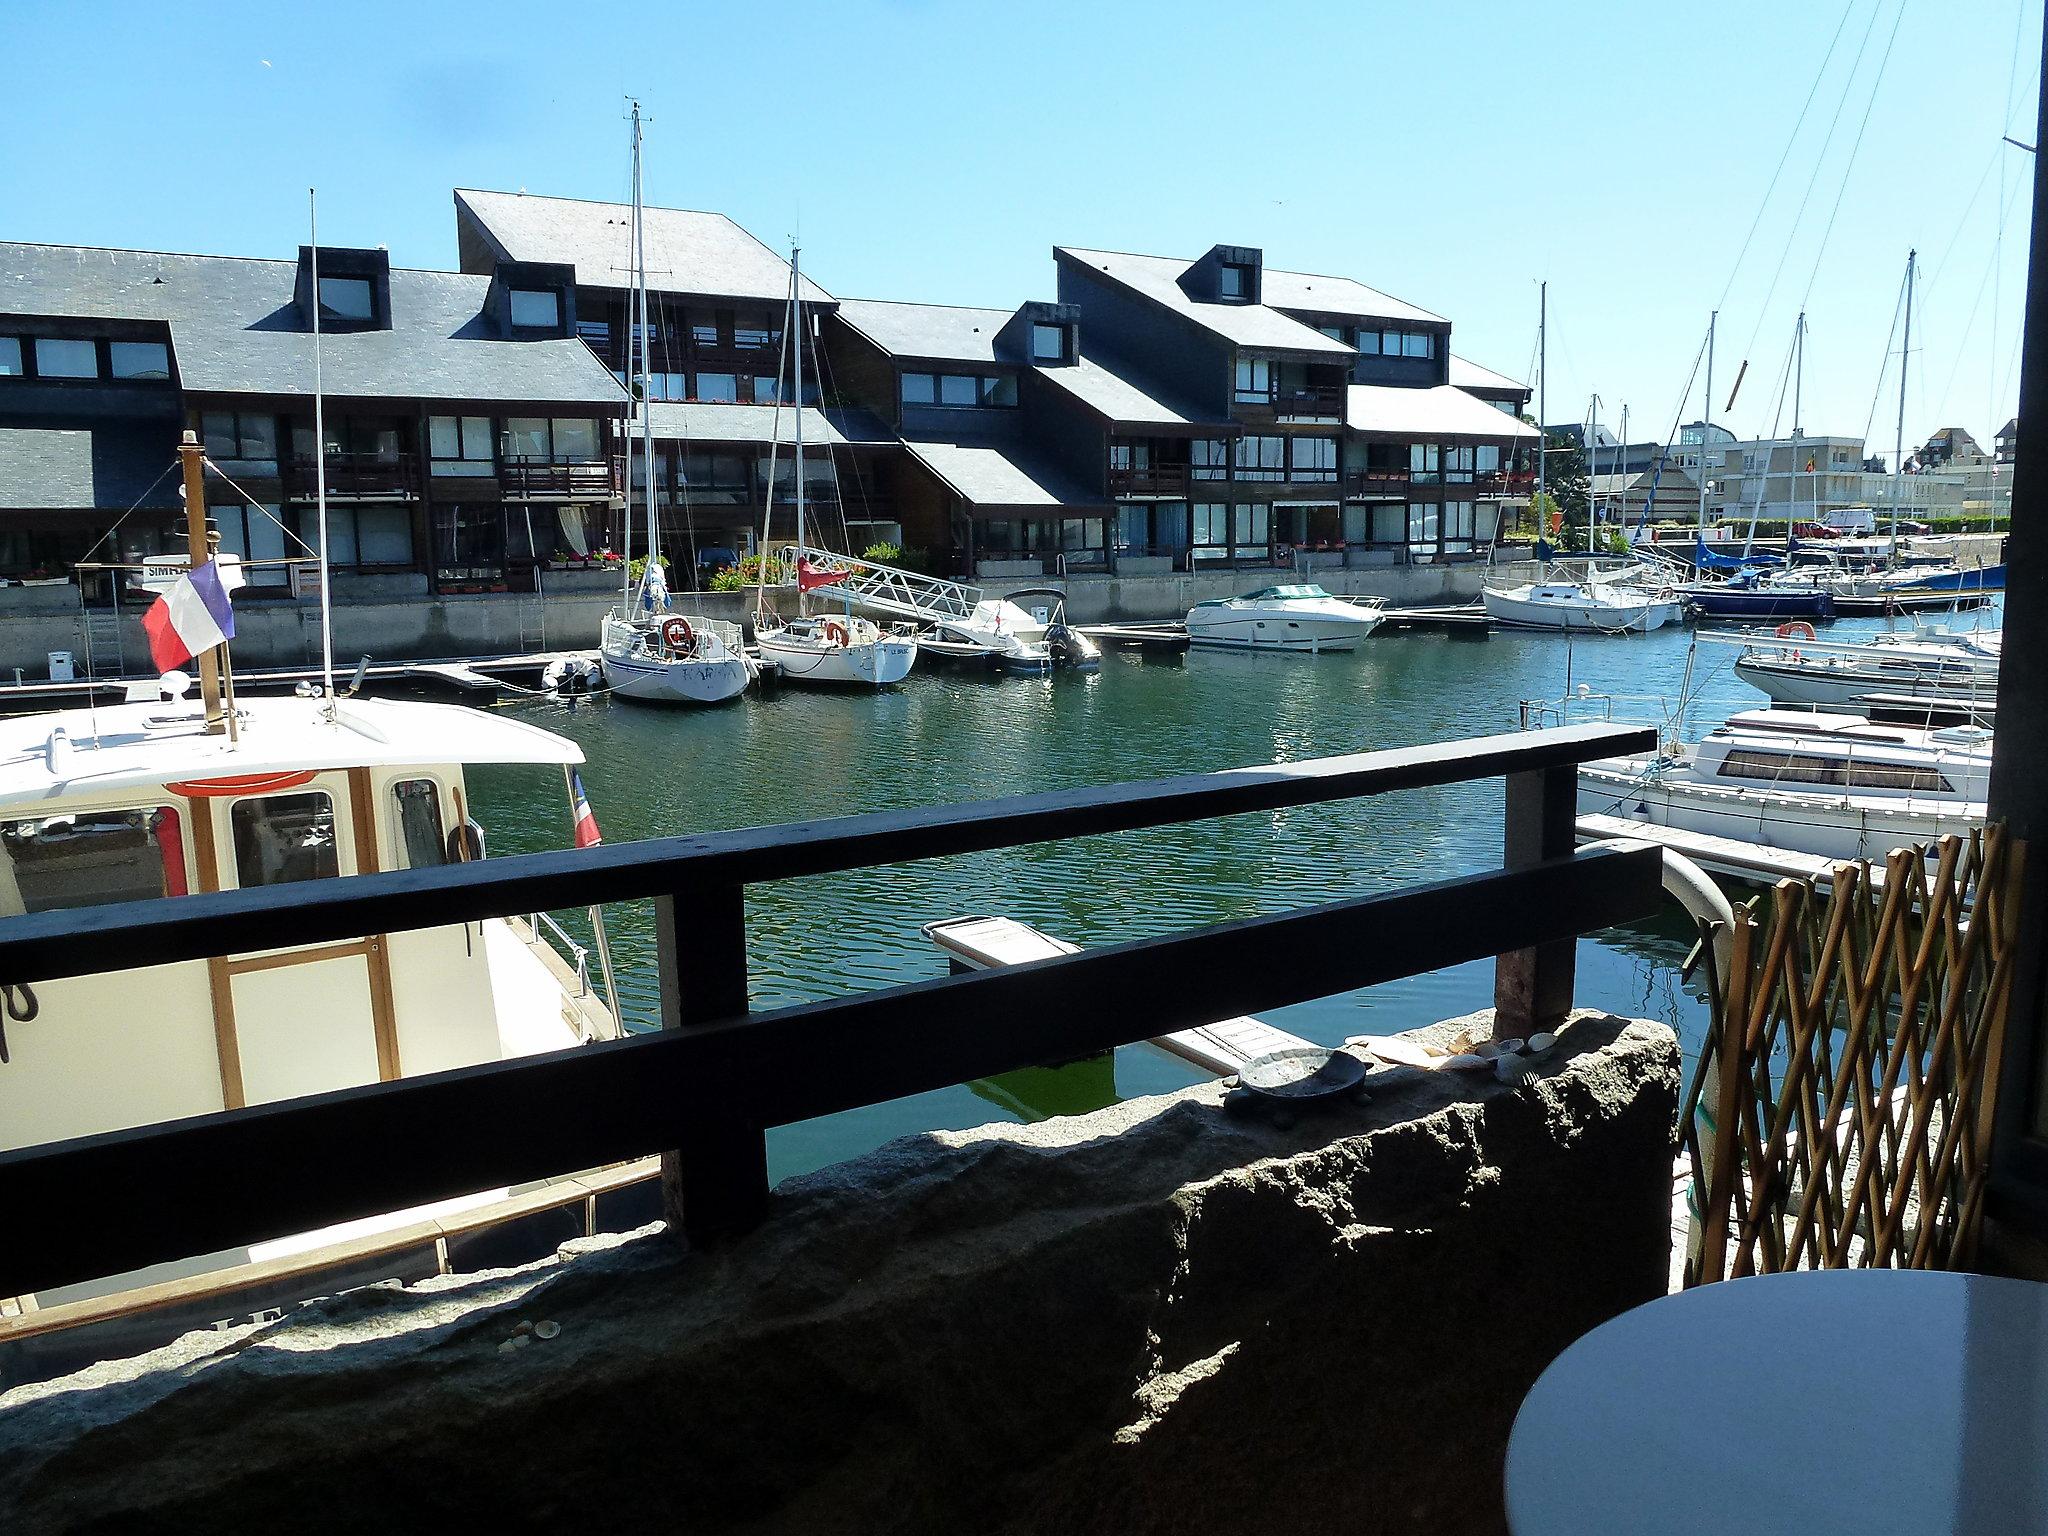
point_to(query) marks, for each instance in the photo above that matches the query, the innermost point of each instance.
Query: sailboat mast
(1707, 421)
(796, 384)
(1542, 386)
(1592, 465)
(1899, 440)
(646, 345)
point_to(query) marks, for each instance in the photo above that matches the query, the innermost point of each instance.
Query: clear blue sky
(1451, 153)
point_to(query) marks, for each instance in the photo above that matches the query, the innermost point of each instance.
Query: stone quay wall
(1162, 1317)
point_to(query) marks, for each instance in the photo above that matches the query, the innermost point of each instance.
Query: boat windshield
(1292, 594)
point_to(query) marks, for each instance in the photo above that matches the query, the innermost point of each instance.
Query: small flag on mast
(193, 617)
(809, 578)
(587, 834)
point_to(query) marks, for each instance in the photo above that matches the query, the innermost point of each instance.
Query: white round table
(1863, 1401)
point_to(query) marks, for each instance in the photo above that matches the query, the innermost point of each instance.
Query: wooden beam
(254, 1174)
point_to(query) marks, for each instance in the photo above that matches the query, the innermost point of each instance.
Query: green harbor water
(795, 754)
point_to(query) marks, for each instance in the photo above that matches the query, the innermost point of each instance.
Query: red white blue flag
(587, 835)
(193, 617)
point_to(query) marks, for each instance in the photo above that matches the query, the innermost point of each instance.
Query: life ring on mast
(836, 632)
(677, 635)
(1798, 629)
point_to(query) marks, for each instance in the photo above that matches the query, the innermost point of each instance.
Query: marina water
(942, 736)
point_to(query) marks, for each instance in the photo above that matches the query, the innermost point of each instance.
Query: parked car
(1815, 531)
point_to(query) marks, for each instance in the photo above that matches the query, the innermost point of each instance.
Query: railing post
(1532, 988)
(714, 1182)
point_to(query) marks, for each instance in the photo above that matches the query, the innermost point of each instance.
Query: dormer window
(346, 298)
(536, 308)
(1234, 281)
(1048, 343)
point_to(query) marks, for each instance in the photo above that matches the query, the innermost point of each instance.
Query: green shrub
(883, 554)
(727, 579)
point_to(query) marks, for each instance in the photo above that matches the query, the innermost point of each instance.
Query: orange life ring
(836, 633)
(1797, 627)
(677, 635)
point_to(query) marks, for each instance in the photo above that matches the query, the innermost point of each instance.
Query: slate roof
(711, 422)
(1120, 402)
(1441, 411)
(1244, 325)
(235, 330)
(943, 332)
(1467, 374)
(687, 252)
(79, 469)
(1336, 296)
(993, 477)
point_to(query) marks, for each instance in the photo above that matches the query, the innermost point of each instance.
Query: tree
(1564, 471)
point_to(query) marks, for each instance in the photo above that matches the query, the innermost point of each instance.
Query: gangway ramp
(889, 589)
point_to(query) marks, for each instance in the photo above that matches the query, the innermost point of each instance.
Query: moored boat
(1284, 618)
(1583, 607)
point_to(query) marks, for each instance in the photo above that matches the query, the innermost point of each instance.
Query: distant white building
(1792, 479)
(1987, 477)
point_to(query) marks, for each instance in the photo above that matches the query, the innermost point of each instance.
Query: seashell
(1508, 1047)
(1468, 1062)
(548, 1328)
(1513, 1069)
(1539, 1043)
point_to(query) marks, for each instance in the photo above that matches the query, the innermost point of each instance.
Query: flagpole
(196, 551)
(320, 467)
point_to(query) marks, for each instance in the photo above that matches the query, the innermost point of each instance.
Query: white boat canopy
(130, 746)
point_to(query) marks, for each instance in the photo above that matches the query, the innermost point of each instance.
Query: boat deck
(483, 674)
(1730, 857)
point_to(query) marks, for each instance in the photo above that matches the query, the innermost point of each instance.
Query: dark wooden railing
(588, 480)
(716, 1077)
(1153, 480)
(1505, 482)
(352, 475)
(1369, 482)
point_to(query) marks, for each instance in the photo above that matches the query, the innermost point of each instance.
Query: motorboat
(1834, 786)
(141, 800)
(1285, 618)
(649, 652)
(1752, 597)
(1044, 611)
(834, 649)
(664, 657)
(1583, 607)
(1793, 667)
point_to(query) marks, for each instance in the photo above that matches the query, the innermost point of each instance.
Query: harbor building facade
(1154, 415)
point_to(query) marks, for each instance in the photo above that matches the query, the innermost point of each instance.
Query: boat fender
(836, 633)
(677, 635)
(465, 843)
(17, 1002)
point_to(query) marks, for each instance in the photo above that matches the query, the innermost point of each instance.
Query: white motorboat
(673, 658)
(1583, 607)
(843, 649)
(1934, 665)
(140, 800)
(1835, 786)
(1285, 618)
(649, 652)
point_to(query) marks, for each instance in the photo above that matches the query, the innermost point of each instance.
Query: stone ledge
(1157, 1317)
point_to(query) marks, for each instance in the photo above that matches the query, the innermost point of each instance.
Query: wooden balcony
(1505, 482)
(1359, 483)
(581, 480)
(354, 477)
(1294, 402)
(1150, 480)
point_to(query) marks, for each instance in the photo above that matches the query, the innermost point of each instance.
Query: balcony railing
(1376, 482)
(354, 476)
(709, 1084)
(585, 480)
(1151, 480)
(1505, 482)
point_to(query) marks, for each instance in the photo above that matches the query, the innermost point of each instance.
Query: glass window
(1210, 457)
(1001, 389)
(704, 331)
(1261, 458)
(526, 437)
(1254, 380)
(1390, 343)
(282, 838)
(1415, 344)
(1357, 524)
(536, 307)
(1425, 460)
(1211, 529)
(1314, 458)
(419, 823)
(1048, 343)
(959, 389)
(766, 389)
(754, 338)
(1235, 281)
(84, 859)
(1389, 523)
(57, 358)
(1334, 332)
(1486, 458)
(723, 387)
(575, 439)
(1422, 522)
(10, 357)
(345, 298)
(1251, 525)
(383, 536)
(140, 359)
(1369, 343)
(919, 389)
(217, 431)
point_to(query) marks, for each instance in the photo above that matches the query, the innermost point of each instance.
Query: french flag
(587, 835)
(193, 617)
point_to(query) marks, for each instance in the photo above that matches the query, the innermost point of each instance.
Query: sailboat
(1580, 606)
(840, 649)
(648, 651)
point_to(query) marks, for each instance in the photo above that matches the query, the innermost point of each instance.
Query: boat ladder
(105, 656)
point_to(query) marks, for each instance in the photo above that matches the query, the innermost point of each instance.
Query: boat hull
(1511, 611)
(1754, 604)
(877, 664)
(1793, 683)
(1252, 630)
(688, 681)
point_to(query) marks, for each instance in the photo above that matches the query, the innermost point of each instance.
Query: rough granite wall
(1157, 1318)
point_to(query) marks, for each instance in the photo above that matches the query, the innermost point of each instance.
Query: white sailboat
(1586, 605)
(840, 649)
(649, 652)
